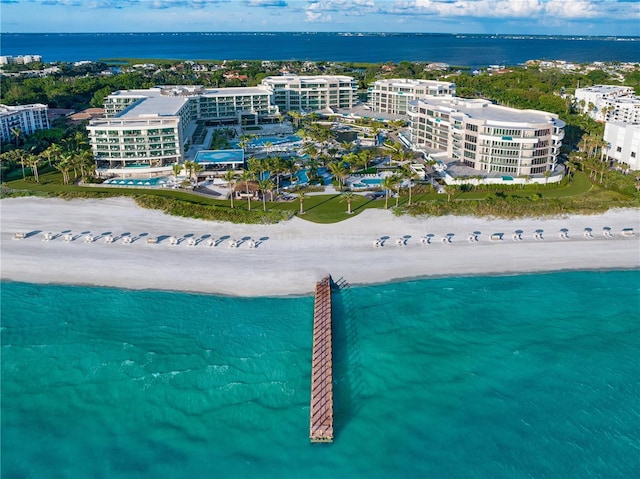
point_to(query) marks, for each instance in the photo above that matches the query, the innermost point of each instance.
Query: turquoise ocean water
(532, 376)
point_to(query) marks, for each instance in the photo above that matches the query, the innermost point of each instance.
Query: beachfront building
(311, 93)
(624, 143)
(624, 109)
(20, 59)
(597, 100)
(393, 95)
(485, 137)
(146, 131)
(23, 119)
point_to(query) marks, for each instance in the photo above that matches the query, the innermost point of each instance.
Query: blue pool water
(274, 140)
(371, 181)
(512, 377)
(156, 181)
(215, 156)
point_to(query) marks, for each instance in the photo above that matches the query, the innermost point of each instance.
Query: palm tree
(546, 174)
(52, 152)
(247, 176)
(409, 175)
(64, 165)
(348, 197)
(177, 168)
(17, 133)
(388, 183)
(301, 196)
(32, 161)
(230, 177)
(265, 185)
(339, 171)
(22, 159)
(197, 168)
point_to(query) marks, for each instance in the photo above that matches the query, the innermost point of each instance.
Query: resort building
(23, 118)
(149, 129)
(485, 137)
(624, 109)
(393, 96)
(596, 100)
(20, 59)
(624, 143)
(311, 93)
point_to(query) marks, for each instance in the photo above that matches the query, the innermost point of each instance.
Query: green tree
(348, 196)
(230, 177)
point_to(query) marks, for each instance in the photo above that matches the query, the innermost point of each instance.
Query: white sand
(291, 256)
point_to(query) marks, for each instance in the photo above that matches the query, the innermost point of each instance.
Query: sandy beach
(288, 258)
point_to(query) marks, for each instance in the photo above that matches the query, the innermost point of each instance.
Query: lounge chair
(496, 237)
(425, 241)
(233, 244)
(108, 239)
(211, 242)
(251, 244)
(47, 237)
(376, 243)
(19, 236)
(88, 239)
(67, 237)
(152, 240)
(400, 242)
(627, 232)
(191, 242)
(173, 240)
(126, 240)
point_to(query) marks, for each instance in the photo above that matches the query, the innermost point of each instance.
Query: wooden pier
(321, 424)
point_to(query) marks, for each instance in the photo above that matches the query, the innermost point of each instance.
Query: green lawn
(332, 208)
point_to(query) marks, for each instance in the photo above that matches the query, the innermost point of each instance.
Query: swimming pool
(371, 181)
(273, 140)
(156, 181)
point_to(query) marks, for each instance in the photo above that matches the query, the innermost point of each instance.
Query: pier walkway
(321, 423)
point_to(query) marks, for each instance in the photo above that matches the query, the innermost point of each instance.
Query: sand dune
(288, 258)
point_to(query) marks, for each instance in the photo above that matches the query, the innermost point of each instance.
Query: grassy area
(579, 196)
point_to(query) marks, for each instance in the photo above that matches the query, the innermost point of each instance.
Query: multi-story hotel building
(311, 93)
(149, 128)
(624, 143)
(487, 137)
(595, 100)
(26, 118)
(394, 95)
(624, 109)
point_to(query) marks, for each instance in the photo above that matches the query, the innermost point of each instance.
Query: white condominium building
(624, 143)
(149, 128)
(624, 109)
(311, 93)
(393, 95)
(25, 118)
(487, 137)
(596, 100)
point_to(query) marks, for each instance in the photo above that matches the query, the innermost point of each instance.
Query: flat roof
(167, 101)
(485, 110)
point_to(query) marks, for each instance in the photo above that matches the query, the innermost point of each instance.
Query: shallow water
(502, 377)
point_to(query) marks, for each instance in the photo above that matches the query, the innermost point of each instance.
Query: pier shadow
(347, 365)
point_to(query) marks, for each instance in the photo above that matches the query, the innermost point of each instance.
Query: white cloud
(575, 9)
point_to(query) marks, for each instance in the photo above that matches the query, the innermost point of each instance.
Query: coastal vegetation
(58, 162)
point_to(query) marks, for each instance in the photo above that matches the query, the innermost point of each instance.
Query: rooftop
(487, 111)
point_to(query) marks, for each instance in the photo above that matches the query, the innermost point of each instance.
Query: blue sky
(570, 17)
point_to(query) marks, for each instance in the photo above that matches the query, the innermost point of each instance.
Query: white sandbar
(290, 257)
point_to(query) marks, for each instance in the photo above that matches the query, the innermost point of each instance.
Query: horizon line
(308, 32)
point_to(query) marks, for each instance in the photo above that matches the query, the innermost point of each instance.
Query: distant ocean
(529, 376)
(461, 50)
